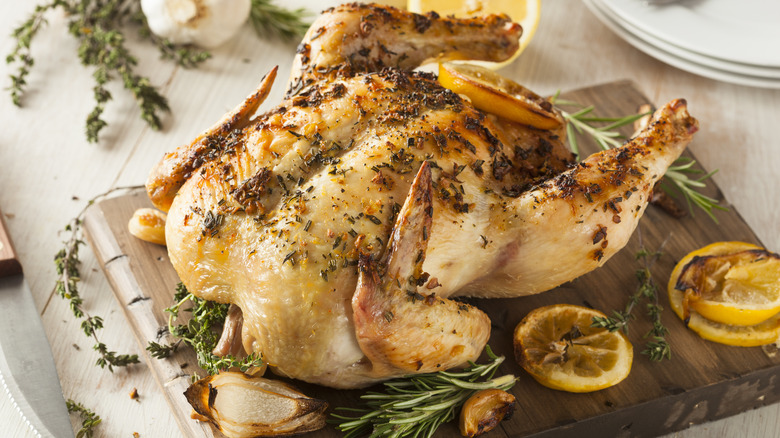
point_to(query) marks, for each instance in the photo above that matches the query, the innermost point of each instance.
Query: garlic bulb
(206, 23)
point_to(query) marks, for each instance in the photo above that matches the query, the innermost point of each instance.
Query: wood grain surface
(703, 381)
(9, 263)
(48, 172)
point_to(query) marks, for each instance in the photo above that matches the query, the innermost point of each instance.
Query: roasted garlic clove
(148, 224)
(484, 410)
(242, 407)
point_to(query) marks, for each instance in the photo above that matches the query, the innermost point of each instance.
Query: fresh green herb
(99, 26)
(417, 405)
(200, 333)
(657, 349)
(607, 137)
(96, 25)
(68, 276)
(89, 420)
(678, 175)
(269, 19)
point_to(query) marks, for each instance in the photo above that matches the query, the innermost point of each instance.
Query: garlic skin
(205, 23)
(484, 410)
(241, 406)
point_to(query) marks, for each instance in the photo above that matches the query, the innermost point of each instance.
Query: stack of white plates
(726, 40)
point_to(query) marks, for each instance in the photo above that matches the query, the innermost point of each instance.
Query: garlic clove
(241, 406)
(205, 23)
(484, 410)
(148, 224)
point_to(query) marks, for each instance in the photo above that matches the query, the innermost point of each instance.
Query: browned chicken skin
(341, 221)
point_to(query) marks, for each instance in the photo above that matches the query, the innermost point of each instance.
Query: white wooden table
(48, 171)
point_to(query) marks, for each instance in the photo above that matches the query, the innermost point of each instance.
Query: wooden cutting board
(702, 382)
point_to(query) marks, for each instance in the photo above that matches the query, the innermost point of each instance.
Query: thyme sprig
(417, 405)
(200, 333)
(658, 348)
(89, 420)
(68, 276)
(99, 26)
(607, 137)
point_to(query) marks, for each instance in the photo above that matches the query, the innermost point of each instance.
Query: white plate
(604, 15)
(716, 63)
(746, 31)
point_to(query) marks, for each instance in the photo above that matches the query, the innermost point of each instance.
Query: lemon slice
(495, 94)
(744, 314)
(559, 348)
(732, 283)
(524, 12)
(764, 333)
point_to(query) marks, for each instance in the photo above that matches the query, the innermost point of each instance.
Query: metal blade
(27, 369)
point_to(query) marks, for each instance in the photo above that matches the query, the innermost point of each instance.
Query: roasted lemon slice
(495, 94)
(732, 283)
(729, 292)
(524, 12)
(559, 348)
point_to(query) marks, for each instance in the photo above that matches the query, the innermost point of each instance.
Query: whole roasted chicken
(342, 222)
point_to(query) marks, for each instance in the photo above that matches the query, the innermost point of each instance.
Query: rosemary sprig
(200, 333)
(68, 276)
(607, 137)
(678, 175)
(89, 420)
(417, 405)
(271, 20)
(657, 349)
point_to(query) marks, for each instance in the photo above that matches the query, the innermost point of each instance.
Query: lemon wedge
(495, 94)
(729, 292)
(558, 347)
(524, 12)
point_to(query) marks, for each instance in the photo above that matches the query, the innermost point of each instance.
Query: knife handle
(9, 262)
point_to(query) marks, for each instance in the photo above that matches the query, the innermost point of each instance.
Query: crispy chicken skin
(342, 220)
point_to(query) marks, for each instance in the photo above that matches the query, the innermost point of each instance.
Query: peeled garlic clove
(242, 407)
(148, 224)
(484, 410)
(206, 23)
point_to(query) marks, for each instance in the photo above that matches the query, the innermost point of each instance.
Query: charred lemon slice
(495, 94)
(559, 348)
(524, 12)
(729, 292)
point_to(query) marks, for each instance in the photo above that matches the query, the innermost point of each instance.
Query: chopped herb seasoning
(477, 167)
(211, 223)
(281, 183)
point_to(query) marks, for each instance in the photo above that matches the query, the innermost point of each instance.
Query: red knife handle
(9, 262)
